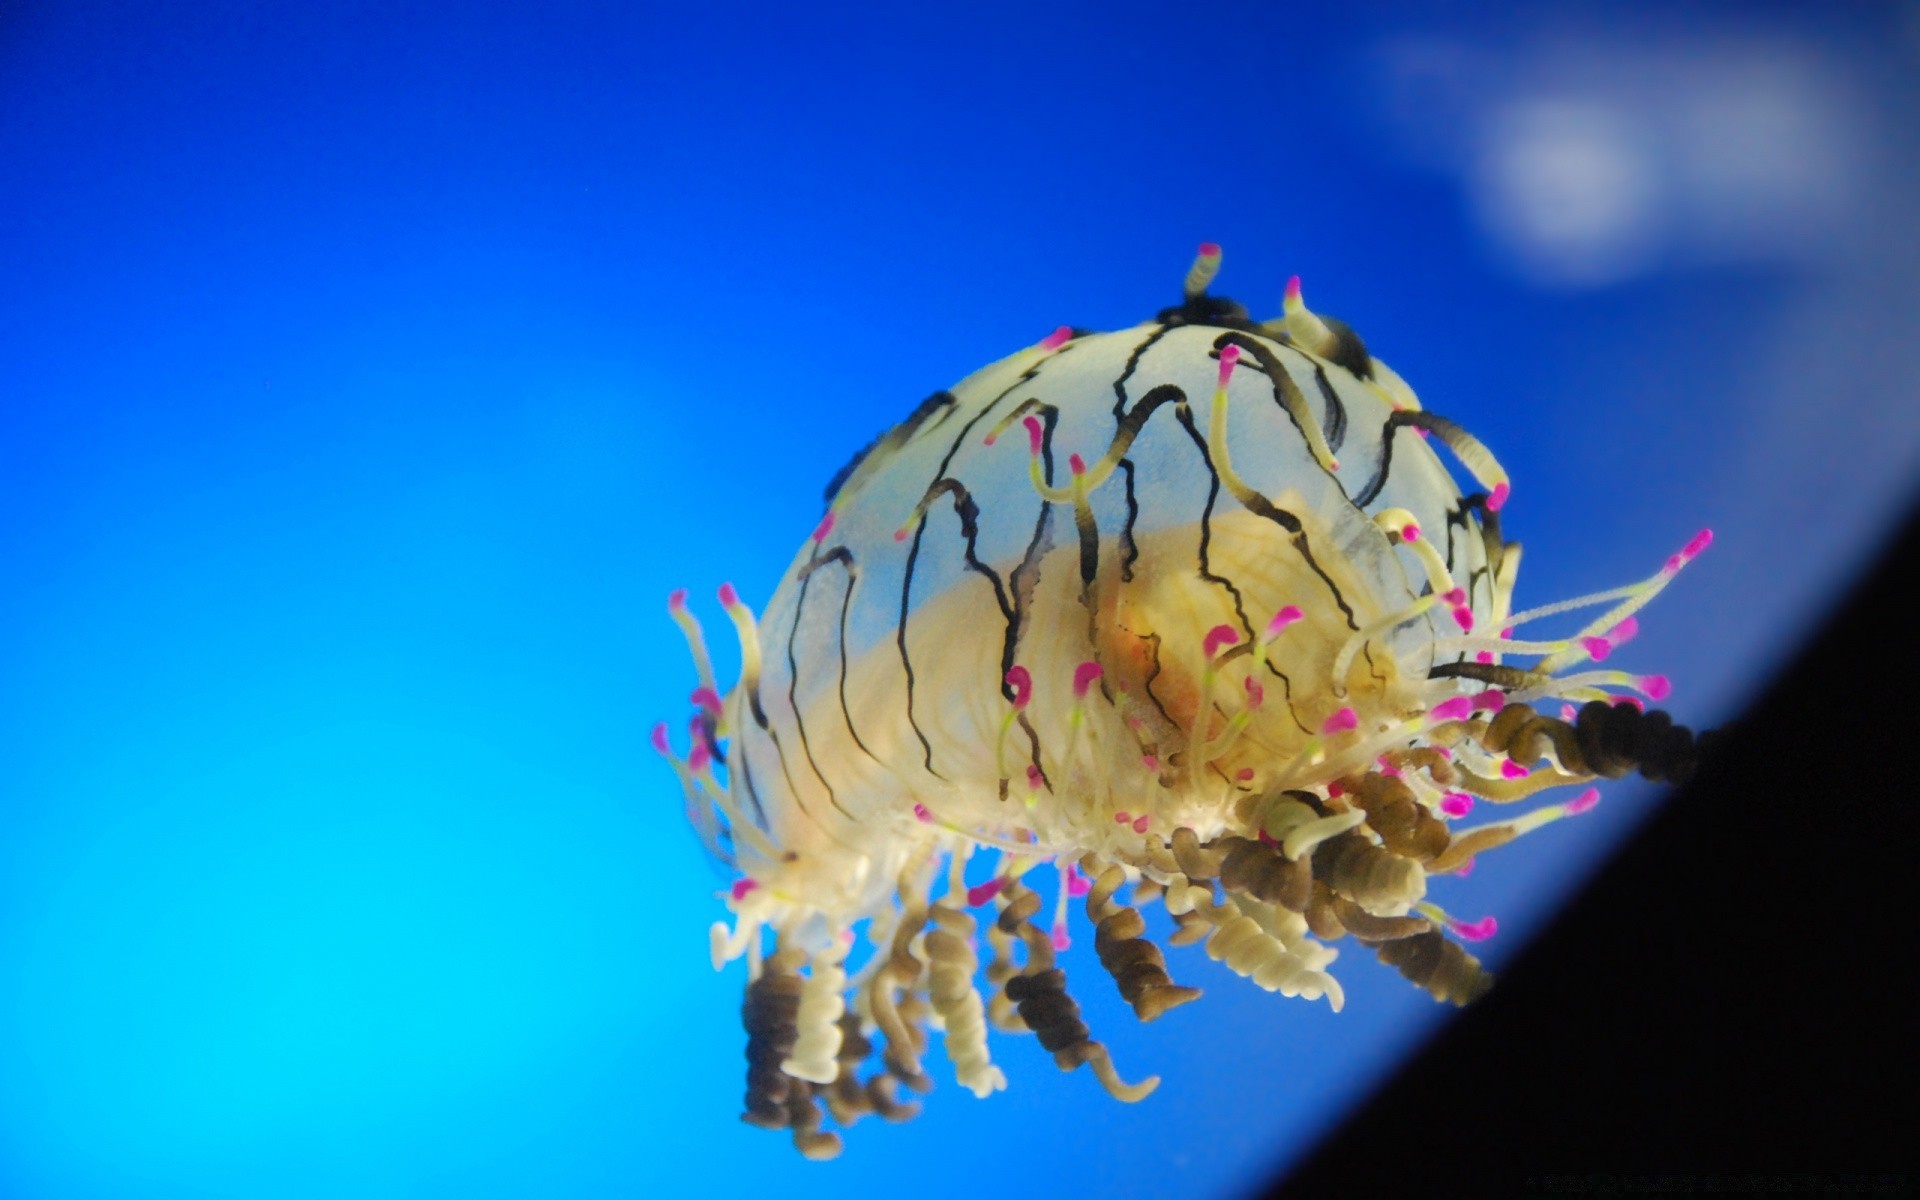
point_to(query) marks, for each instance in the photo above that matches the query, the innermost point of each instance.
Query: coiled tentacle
(1039, 995)
(950, 948)
(1373, 877)
(1431, 961)
(1135, 963)
(776, 1099)
(823, 998)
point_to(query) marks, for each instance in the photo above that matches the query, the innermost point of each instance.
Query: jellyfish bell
(1192, 613)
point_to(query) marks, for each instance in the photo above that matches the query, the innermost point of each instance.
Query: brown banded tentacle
(1258, 869)
(1370, 928)
(883, 1094)
(1525, 735)
(1039, 995)
(1195, 861)
(1190, 929)
(1431, 961)
(1504, 676)
(1136, 964)
(769, 1012)
(804, 1118)
(1323, 916)
(1000, 968)
(914, 1011)
(1404, 824)
(1605, 739)
(847, 1098)
(1617, 738)
(1371, 876)
(1438, 766)
(891, 1011)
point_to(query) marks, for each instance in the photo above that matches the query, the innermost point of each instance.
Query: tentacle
(1135, 963)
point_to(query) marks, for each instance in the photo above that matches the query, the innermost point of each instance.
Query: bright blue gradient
(367, 379)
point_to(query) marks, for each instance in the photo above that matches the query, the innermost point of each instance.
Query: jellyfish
(1192, 614)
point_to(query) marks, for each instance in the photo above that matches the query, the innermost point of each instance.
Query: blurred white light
(1589, 161)
(1568, 189)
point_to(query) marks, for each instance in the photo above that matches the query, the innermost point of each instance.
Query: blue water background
(370, 373)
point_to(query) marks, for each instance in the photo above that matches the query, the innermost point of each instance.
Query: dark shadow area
(1729, 1007)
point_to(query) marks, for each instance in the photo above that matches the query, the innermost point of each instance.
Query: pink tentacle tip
(1476, 931)
(921, 814)
(1456, 804)
(708, 699)
(824, 528)
(1219, 638)
(1463, 617)
(1244, 775)
(980, 893)
(1485, 656)
(1513, 770)
(900, 534)
(1341, 721)
(1209, 249)
(1256, 695)
(1464, 869)
(1034, 777)
(1060, 939)
(1410, 532)
(1151, 762)
(1451, 710)
(1293, 290)
(1084, 676)
(1285, 617)
(1335, 791)
(1424, 434)
(1021, 681)
(1141, 822)
(1624, 632)
(1077, 884)
(1633, 702)
(1076, 464)
(1498, 499)
(1569, 713)
(728, 597)
(1036, 435)
(1584, 801)
(1229, 356)
(1057, 339)
(699, 758)
(1597, 648)
(1123, 817)
(660, 742)
(1657, 687)
(1493, 700)
(677, 600)
(1700, 542)
(741, 887)
(1455, 597)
